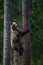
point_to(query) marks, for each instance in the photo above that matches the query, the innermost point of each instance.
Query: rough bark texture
(26, 38)
(6, 45)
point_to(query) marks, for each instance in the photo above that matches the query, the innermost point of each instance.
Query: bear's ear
(11, 23)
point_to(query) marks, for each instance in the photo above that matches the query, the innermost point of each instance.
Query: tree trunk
(26, 38)
(14, 14)
(14, 8)
(15, 60)
(7, 47)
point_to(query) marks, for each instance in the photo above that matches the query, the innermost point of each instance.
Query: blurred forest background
(36, 27)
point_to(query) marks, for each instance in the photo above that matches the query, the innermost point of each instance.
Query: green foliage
(1, 31)
(36, 20)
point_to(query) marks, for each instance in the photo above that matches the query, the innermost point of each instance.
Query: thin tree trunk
(6, 45)
(14, 14)
(26, 38)
(14, 8)
(15, 60)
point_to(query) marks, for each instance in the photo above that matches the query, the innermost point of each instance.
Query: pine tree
(26, 38)
(6, 45)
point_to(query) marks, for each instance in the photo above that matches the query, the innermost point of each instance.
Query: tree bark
(6, 46)
(14, 8)
(14, 14)
(26, 38)
(16, 61)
